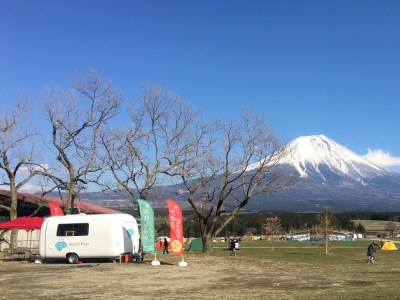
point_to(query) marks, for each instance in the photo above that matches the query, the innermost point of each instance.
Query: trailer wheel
(72, 258)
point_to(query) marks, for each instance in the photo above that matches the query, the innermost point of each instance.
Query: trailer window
(74, 229)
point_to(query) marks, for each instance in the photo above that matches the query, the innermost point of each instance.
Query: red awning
(25, 223)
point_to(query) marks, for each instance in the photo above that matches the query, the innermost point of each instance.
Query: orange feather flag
(175, 227)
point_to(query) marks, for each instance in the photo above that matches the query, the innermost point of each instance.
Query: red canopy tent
(25, 223)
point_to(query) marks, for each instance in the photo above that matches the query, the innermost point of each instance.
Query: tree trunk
(205, 236)
(71, 192)
(207, 243)
(13, 212)
(272, 244)
(326, 245)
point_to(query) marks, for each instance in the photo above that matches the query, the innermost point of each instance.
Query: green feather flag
(148, 230)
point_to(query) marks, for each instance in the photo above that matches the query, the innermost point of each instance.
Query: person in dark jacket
(232, 246)
(165, 250)
(370, 252)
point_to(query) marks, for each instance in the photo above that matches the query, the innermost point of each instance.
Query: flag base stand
(155, 262)
(182, 263)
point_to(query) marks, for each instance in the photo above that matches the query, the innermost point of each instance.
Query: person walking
(232, 246)
(165, 249)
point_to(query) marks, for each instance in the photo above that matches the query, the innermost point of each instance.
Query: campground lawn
(292, 270)
(374, 225)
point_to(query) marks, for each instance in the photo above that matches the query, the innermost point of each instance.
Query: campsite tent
(25, 223)
(389, 246)
(196, 245)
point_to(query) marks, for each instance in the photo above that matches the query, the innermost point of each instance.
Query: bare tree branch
(76, 118)
(147, 153)
(17, 155)
(240, 163)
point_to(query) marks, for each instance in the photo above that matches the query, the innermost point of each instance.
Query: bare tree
(272, 226)
(391, 227)
(326, 224)
(145, 154)
(76, 118)
(240, 163)
(18, 158)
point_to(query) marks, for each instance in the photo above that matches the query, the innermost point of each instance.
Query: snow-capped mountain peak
(328, 175)
(309, 154)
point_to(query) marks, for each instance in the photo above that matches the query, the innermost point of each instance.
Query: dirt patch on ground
(205, 277)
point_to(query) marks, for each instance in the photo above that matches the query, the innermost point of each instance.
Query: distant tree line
(253, 223)
(377, 216)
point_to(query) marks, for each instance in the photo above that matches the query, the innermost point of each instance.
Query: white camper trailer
(75, 237)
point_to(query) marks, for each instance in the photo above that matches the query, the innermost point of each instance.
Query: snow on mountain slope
(328, 175)
(316, 153)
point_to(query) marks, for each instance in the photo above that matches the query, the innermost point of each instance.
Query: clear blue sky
(310, 67)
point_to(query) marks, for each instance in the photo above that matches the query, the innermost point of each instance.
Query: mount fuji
(331, 176)
(328, 175)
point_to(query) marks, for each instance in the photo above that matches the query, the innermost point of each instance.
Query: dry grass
(300, 271)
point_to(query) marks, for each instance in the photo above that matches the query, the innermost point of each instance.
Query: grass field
(306, 252)
(374, 225)
(342, 274)
(292, 270)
